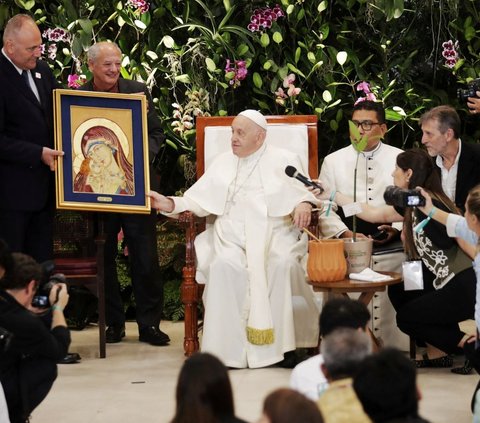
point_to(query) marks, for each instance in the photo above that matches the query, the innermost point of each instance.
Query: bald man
(27, 157)
(257, 304)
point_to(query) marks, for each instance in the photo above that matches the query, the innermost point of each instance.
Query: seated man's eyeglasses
(365, 124)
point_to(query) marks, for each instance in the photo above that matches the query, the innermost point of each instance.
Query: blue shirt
(457, 227)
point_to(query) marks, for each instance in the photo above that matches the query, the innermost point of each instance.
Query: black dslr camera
(47, 282)
(395, 196)
(470, 91)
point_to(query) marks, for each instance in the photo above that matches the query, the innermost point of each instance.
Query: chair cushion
(76, 266)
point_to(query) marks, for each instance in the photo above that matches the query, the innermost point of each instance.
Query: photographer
(28, 367)
(429, 315)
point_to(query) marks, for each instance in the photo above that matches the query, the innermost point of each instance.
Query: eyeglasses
(365, 124)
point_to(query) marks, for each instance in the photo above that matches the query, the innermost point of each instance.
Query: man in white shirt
(307, 377)
(374, 173)
(257, 303)
(457, 161)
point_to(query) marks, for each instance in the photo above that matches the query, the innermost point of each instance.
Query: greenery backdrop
(217, 57)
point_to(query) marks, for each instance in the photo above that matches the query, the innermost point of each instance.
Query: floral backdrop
(218, 57)
(291, 56)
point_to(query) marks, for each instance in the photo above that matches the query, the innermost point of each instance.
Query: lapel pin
(38, 75)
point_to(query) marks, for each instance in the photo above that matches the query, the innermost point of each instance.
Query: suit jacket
(155, 132)
(26, 126)
(468, 172)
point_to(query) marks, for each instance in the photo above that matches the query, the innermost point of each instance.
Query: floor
(136, 383)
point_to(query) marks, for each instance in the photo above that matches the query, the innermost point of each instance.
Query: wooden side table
(367, 291)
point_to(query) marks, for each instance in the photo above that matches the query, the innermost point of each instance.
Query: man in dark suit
(458, 162)
(27, 157)
(104, 61)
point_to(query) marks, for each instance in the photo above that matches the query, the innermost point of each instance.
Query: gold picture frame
(104, 138)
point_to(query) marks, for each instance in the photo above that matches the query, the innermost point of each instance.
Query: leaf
(139, 24)
(322, 6)
(277, 37)
(86, 25)
(334, 125)
(393, 115)
(183, 78)
(311, 57)
(342, 57)
(257, 80)
(167, 41)
(242, 49)
(211, 66)
(327, 96)
(264, 40)
(358, 142)
(298, 53)
(296, 70)
(152, 55)
(398, 8)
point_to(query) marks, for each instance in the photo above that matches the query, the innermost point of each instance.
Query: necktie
(27, 81)
(25, 78)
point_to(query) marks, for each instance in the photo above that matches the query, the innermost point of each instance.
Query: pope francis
(257, 303)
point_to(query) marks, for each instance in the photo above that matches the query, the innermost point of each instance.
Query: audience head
(418, 169)
(385, 384)
(249, 130)
(342, 351)
(286, 406)
(343, 312)
(369, 116)
(22, 41)
(472, 209)
(203, 391)
(441, 129)
(24, 270)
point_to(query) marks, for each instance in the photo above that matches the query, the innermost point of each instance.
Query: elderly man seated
(257, 304)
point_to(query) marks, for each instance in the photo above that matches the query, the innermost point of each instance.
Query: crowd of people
(258, 308)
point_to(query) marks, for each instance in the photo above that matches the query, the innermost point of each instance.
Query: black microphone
(292, 172)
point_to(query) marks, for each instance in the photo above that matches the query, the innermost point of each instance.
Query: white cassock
(374, 174)
(251, 258)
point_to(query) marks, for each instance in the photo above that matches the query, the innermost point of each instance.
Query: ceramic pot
(358, 254)
(326, 260)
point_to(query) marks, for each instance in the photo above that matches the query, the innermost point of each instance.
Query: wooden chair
(79, 255)
(297, 133)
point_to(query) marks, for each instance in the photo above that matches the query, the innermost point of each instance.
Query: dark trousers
(28, 232)
(432, 316)
(27, 386)
(140, 236)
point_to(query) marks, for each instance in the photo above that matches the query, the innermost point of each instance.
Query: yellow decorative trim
(260, 336)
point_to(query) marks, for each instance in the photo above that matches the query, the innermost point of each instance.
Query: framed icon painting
(104, 138)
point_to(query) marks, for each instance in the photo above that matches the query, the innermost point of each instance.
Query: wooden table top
(352, 285)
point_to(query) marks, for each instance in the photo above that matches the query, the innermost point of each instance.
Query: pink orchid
(364, 86)
(75, 81)
(288, 80)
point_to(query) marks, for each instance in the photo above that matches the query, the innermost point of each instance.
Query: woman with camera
(430, 315)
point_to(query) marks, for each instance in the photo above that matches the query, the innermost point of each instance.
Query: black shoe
(153, 336)
(70, 358)
(114, 334)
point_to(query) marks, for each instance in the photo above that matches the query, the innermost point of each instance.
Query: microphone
(292, 172)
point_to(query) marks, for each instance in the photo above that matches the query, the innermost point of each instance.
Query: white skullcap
(256, 117)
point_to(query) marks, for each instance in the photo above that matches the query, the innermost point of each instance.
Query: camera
(470, 91)
(46, 283)
(395, 196)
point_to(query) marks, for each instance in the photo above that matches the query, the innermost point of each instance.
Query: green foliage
(308, 62)
(181, 47)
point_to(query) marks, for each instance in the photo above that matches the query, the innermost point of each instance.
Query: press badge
(351, 209)
(412, 275)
